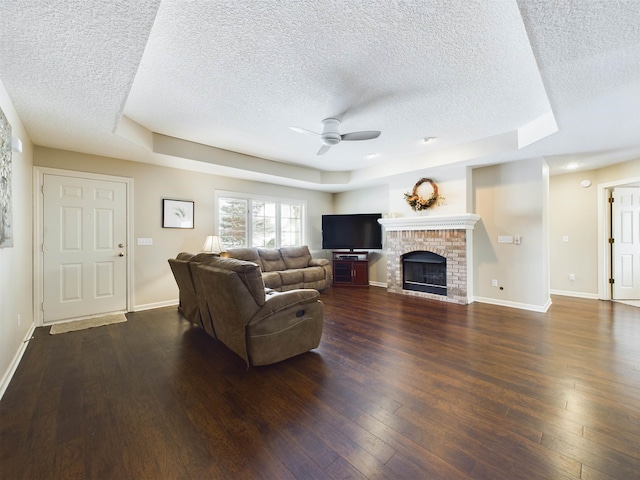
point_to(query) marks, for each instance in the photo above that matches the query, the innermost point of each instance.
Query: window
(232, 221)
(263, 220)
(290, 224)
(244, 220)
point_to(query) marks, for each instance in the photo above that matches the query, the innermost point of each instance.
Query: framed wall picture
(177, 213)
(6, 213)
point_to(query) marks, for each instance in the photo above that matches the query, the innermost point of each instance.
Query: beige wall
(452, 186)
(388, 199)
(153, 282)
(368, 200)
(16, 262)
(512, 199)
(574, 214)
(619, 173)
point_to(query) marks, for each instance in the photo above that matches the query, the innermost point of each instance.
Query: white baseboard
(378, 284)
(16, 361)
(521, 306)
(151, 306)
(566, 293)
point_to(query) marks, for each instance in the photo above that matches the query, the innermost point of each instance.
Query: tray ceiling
(216, 85)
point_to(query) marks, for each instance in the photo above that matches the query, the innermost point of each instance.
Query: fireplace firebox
(424, 271)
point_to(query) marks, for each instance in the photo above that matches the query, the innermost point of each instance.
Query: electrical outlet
(494, 283)
(572, 276)
(19, 320)
(565, 238)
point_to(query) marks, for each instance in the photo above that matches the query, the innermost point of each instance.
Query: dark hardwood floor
(400, 387)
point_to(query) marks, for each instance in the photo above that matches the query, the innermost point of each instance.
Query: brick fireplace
(450, 236)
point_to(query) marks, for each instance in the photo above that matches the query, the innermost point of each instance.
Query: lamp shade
(212, 244)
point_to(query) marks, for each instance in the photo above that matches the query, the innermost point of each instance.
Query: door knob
(121, 245)
(121, 254)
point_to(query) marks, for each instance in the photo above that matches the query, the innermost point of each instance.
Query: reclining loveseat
(261, 325)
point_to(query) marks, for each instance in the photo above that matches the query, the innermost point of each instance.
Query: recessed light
(572, 166)
(428, 139)
(372, 155)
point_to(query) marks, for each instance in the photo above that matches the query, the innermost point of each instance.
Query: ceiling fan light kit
(331, 136)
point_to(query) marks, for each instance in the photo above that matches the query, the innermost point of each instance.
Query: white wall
(512, 199)
(153, 282)
(16, 262)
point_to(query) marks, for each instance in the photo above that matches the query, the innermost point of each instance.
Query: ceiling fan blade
(303, 130)
(364, 135)
(323, 149)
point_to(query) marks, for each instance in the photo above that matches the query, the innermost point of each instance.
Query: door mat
(87, 323)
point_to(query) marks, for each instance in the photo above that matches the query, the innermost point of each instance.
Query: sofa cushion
(248, 272)
(292, 277)
(246, 254)
(296, 257)
(271, 260)
(272, 280)
(313, 274)
(318, 262)
(203, 257)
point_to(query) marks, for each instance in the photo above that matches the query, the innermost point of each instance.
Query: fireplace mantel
(464, 221)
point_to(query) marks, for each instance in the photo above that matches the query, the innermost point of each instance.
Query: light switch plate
(145, 241)
(505, 238)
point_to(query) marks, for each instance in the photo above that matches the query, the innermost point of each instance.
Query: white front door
(84, 247)
(626, 243)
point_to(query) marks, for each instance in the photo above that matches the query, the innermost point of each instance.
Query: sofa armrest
(279, 301)
(318, 262)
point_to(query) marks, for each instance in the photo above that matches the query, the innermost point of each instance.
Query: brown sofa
(286, 268)
(260, 325)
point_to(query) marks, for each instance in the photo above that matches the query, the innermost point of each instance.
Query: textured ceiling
(185, 83)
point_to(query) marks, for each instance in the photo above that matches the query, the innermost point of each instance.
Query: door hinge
(611, 200)
(612, 281)
(612, 240)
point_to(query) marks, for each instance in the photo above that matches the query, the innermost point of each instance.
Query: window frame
(250, 198)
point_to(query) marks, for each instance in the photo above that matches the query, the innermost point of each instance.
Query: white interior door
(84, 247)
(626, 243)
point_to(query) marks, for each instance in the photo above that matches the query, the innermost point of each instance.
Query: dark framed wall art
(177, 213)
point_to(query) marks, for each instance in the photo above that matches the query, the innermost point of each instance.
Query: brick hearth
(450, 236)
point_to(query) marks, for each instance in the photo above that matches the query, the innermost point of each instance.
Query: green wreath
(416, 202)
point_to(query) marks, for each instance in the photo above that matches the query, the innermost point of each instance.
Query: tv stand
(350, 268)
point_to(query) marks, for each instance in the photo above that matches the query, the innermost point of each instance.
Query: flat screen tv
(352, 232)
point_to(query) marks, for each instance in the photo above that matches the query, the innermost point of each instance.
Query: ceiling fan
(331, 135)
